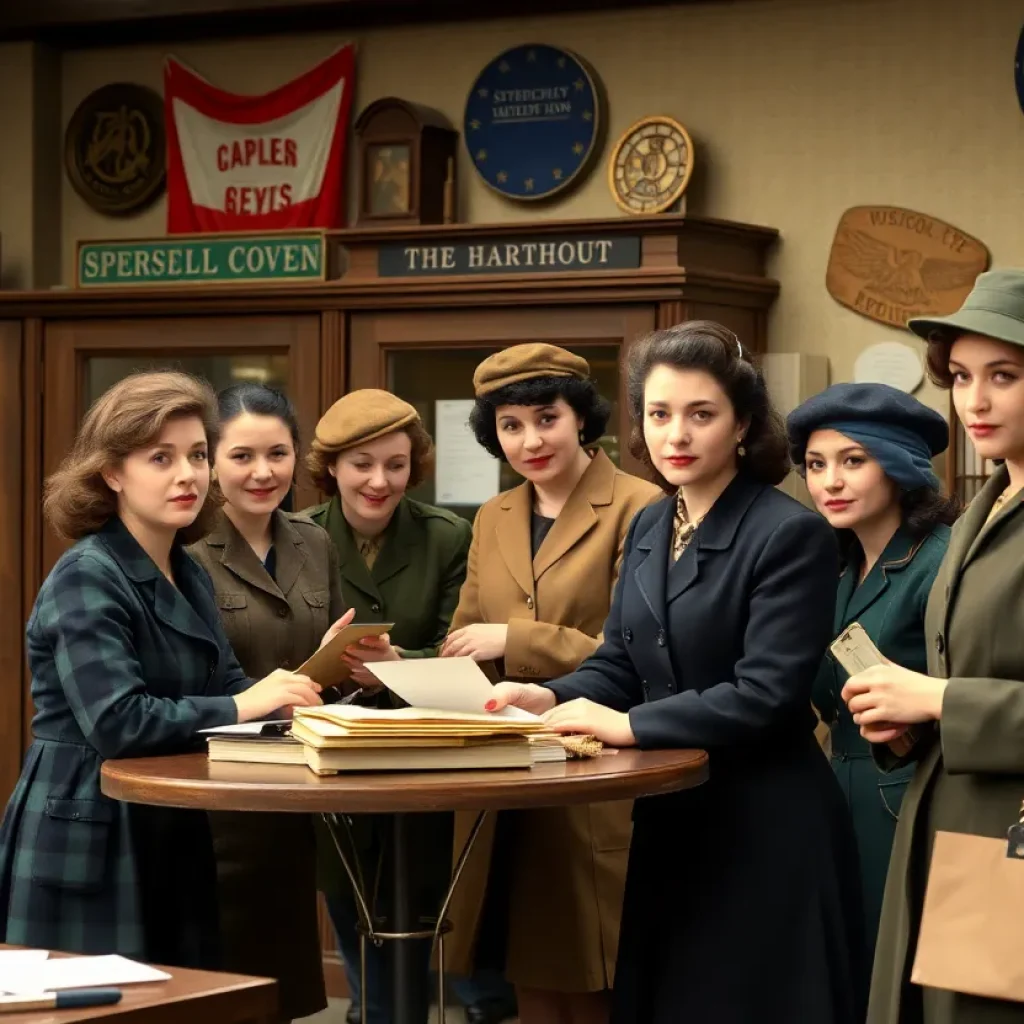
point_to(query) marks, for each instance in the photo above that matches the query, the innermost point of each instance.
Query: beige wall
(798, 108)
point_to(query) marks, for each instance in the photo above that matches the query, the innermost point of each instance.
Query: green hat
(994, 308)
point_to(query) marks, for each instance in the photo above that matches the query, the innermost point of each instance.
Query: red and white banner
(257, 163)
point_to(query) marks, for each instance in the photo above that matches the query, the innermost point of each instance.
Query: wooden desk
(195, 997)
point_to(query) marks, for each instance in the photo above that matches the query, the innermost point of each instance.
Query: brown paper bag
(971, 940)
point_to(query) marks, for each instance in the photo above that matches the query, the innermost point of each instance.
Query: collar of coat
(236, 555)
(596, 488)
(135, 562)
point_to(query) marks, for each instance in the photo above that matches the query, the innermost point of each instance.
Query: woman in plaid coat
(128, 658)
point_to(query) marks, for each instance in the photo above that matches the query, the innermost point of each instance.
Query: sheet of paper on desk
(243, 728)
(448, 684)
(56, 973)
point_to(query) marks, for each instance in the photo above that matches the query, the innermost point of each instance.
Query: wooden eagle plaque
(891, 264)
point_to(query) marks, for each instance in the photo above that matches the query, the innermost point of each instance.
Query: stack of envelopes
(344, 737)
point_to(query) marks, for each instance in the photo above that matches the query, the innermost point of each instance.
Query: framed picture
(388, 174)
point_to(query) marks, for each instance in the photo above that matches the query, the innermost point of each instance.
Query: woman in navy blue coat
(742, 898)
(128, 658)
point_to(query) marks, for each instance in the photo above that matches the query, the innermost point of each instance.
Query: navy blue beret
(873, 405)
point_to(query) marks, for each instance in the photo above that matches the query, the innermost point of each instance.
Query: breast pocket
(234, 616)
(319, 604)
(892, 787)
(72, 844)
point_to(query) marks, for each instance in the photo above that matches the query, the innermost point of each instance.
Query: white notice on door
(465, 474)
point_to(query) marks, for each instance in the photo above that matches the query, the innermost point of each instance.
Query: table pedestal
(408, 981)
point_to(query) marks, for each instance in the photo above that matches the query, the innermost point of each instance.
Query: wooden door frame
(376, 334)
(67, 346)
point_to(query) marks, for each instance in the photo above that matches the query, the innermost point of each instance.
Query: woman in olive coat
(865, 451)
(128, 659)
(967, 713)
(276, 583)
(401, 561)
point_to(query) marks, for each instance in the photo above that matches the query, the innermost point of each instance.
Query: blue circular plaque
(532, 121)
(1018, 70)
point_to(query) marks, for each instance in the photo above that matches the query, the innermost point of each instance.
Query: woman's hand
(528, 696)
(481, 642)
(588, 718)
(885, 697)
(279, 692)
(337, 627)
(370, 648)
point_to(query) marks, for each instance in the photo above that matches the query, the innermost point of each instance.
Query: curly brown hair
(714, 349)
(125, 418)
(421, 462)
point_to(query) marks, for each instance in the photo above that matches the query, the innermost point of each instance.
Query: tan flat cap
(521, 362)
(361, 416)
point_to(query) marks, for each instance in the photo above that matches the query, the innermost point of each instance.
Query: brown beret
(521, 362)
(361, 416)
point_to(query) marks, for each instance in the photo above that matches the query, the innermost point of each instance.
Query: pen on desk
(72, 998)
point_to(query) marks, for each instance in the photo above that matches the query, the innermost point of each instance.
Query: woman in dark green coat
(865, 451)
(401, 561)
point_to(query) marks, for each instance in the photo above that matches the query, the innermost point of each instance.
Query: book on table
(459, 734)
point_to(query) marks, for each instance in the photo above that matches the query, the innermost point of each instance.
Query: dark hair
(421, 459)
(259, 400)
(940, 343)
(127, 417)
(924, 508)
(581, 395)
(707, 346)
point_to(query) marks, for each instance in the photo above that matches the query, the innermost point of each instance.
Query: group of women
(693, 610)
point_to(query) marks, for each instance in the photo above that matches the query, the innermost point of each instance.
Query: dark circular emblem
(115, 150)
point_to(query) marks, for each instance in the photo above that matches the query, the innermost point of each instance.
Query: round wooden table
(192, 781)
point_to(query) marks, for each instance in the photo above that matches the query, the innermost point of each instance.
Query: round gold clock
(651, 165)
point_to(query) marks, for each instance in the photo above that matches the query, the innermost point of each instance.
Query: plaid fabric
(123, 665)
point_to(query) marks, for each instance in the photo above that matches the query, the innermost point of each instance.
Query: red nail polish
(490, 705)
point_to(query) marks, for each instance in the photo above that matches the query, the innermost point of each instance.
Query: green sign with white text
(203, 259)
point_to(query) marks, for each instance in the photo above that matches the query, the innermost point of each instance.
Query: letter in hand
(528, 696)
(337, 627)
(370, 648)
(276, 694)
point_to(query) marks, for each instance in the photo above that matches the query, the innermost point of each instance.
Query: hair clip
(739, 348)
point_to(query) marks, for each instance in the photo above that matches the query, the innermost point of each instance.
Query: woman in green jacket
(401, 561)
(865, 451)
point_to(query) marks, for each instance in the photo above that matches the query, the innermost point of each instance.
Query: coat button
(646, 688)
(940, 643)
(282, 613)
(628, 634)
(662, 640)
(375, 607)
(529, 602)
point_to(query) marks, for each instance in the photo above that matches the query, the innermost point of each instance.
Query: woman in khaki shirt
(276, 581)
(542, 565)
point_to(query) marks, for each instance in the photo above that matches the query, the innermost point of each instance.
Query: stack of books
(347, 738)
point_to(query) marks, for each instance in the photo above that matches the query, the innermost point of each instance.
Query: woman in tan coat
(276, 581)
(966, 716)
(542, 566)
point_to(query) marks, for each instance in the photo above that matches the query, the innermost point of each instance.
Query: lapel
(652, 572)
(173, 606)
(514, 535)
(716, 533)
(241, 561)
(847, 586)
(353, 568)
(399, 542)
(578, 517)
(981, 532)
(896, 556)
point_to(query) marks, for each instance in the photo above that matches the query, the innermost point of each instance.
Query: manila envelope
(326, 667)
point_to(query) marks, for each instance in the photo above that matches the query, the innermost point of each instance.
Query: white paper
(56, 973)
(464, 474)
(447, 684)
(16, 959)
(243, 728)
